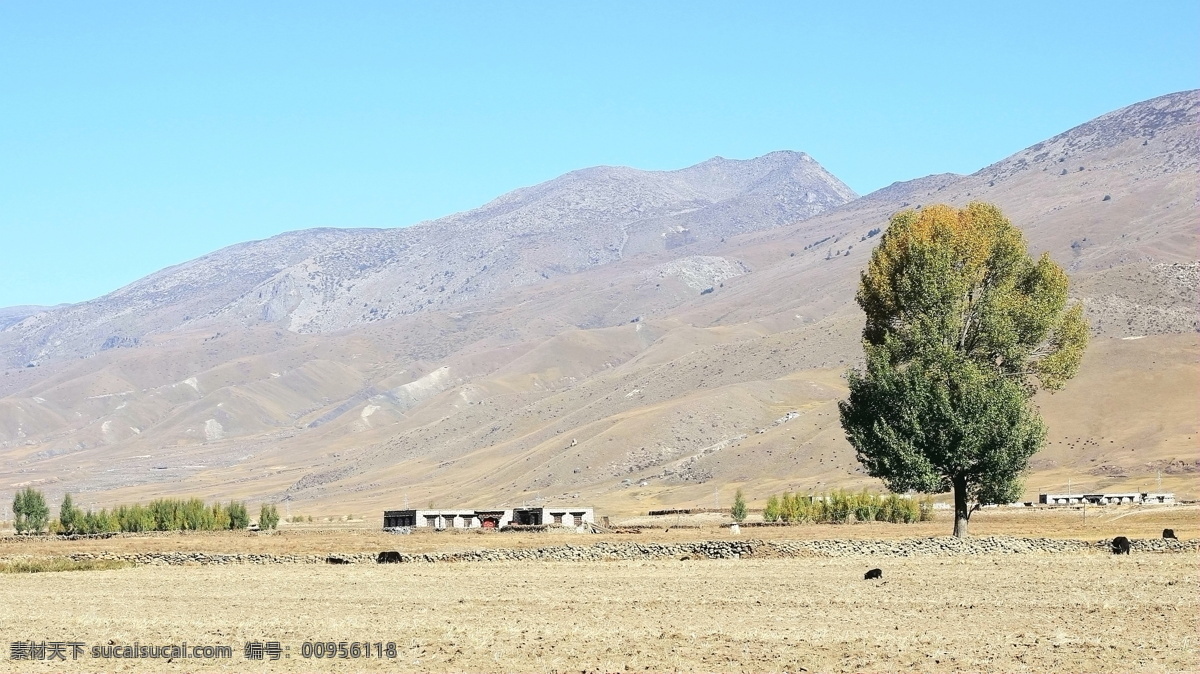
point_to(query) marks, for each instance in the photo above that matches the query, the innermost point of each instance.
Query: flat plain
(367, 535)
(1083, 612)
(1087, 613)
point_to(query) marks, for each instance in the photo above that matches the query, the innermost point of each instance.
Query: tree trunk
(962, 513)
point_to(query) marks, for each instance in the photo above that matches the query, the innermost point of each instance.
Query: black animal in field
(873, 574)
(388, 557)
(336, 560)
(1120, 545)
(1169, 533)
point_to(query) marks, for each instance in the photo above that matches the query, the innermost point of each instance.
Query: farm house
(489, 518)
(1106, 499)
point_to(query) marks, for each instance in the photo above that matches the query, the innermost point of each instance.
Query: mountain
(324, 280)
(11, 315)
(637, 339)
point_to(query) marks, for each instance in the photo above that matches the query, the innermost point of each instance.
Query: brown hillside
(706, 361)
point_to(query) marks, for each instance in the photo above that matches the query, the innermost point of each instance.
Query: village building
(1106, 499)
(489, 518)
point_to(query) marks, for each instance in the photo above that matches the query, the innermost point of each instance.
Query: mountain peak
(780, 171)
(1162, 125)
(332, 279)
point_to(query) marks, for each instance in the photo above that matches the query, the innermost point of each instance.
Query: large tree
(963, 327)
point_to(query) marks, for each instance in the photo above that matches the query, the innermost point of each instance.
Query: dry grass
(43, 565)
(1087, 613)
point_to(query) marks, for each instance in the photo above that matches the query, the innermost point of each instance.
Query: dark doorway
(528, 517)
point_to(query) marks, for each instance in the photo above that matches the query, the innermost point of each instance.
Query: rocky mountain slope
(329, 279)
(12, 315)
(703, 352)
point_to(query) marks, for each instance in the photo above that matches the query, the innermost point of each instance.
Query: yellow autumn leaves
(961, 280)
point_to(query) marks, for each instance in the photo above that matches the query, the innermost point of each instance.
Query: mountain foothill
(628, 339)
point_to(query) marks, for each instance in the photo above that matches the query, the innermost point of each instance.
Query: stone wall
(722, 549)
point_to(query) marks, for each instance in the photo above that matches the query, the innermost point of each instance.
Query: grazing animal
(1169, 533)
(388, 557)
(1120, 545)
(336, 560)
(873, 574)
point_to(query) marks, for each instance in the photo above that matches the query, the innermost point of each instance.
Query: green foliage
(30, 513)
(239, 517)
(787, 509)
(102, 522)
(894, 508)
(164, 514)
(794, 508)
(837, 507)
(864, 507)
(771, 511)
(844, 507)
(962, 328)
(183, 515)
(268, 517)
(70, 518)
(135, 518)
(219, 515)
(738, 511)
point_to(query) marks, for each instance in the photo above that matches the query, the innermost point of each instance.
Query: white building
(1106, 499)
(489, 518)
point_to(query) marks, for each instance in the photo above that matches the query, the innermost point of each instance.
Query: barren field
(1083, 613)
(1078, 612)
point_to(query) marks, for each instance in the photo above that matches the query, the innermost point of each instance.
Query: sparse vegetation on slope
(490, 389)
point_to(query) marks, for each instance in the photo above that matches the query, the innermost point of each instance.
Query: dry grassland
(1088, 612)
(1083, 613)
(1100, 523)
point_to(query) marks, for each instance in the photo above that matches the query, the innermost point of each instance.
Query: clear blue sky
(134, 136)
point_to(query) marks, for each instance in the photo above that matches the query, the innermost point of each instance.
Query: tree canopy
(70, 518)
(738, 511)
(30, 513)
(962, 328)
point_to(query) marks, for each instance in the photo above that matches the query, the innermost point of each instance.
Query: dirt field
(1086, 613)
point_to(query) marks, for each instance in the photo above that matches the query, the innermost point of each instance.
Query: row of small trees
(159, 515)
(839, 507)
(30, 515)
(843, 506)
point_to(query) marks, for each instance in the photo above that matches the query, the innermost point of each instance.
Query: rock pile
(1154, 545)
(722, 549)
(209, 558)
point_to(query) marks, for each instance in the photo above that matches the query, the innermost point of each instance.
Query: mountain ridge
(710, 362)
(300, 276)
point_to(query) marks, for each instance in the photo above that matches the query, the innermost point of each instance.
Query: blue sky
(134, 136)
